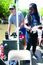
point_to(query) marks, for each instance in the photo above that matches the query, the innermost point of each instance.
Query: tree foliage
(41, 11)
(4, 7)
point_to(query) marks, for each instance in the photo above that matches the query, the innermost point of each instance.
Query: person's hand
(35, 28)
(30, 30)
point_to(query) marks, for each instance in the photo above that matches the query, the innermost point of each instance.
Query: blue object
(12, 62)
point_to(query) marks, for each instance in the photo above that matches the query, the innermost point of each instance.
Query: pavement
(40, 57)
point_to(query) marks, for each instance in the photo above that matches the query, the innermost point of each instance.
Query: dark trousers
(32, 41)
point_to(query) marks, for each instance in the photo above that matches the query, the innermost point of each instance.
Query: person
(32, 19)
(12, 19)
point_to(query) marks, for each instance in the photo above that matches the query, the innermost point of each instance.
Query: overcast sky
(25, 3)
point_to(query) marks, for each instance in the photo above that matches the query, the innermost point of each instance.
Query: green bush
(4, 8)
(24, 12)
(0, 20)
(41, 11)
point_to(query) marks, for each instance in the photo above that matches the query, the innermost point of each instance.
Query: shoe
(35, 57)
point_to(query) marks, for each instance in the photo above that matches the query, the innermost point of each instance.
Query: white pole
(17, 21)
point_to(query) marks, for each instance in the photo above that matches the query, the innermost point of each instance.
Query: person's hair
(34, 6)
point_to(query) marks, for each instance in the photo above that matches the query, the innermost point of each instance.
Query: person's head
(12, 9)
(33, 8)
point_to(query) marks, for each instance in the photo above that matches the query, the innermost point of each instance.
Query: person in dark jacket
(32, 19)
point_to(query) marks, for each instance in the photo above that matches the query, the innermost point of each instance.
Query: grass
(3, 29)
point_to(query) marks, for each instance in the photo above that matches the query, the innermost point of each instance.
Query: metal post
(17, 21)
(15, 1)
